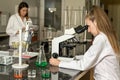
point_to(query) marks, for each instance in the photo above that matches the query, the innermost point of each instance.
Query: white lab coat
(14, 24)
(100, 56)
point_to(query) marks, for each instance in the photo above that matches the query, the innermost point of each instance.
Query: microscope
(69, 34)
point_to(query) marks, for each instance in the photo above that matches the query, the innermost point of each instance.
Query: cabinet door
(4, 16)
(114, 15)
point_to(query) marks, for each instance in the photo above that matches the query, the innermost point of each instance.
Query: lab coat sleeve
(90, 58)
(11, 27)
(35, 27)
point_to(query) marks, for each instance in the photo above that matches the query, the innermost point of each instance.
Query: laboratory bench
(37, 73)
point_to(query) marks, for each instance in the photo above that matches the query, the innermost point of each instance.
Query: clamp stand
(20, 65)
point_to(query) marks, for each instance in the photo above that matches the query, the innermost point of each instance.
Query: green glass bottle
(41, 58)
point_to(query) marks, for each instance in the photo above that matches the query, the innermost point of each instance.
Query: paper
(27, 55)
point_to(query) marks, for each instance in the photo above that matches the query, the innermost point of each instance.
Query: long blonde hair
(104, 25)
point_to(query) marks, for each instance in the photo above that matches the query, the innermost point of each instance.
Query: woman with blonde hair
(102, 54)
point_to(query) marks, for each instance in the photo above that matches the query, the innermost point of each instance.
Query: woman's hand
(23, 29)
(54, 62)
(54, 69)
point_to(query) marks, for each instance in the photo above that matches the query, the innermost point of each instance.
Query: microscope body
(56, 41)
(69, 34)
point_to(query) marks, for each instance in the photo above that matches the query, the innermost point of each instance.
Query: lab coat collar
(100, 33)
(21, 23)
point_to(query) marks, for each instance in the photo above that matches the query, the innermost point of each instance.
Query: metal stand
(17, 66)
(20, 65)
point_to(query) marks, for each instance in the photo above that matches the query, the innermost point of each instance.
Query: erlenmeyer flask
(41, 58)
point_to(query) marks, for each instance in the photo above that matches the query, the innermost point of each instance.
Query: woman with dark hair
(103, 55)
(18, 21)
(23, 5)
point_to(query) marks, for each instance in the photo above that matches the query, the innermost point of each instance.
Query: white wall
(74, 3)
(42, 34)
(9, 5)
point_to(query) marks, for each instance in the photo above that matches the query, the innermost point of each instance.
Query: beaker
(18, 74)
(31, 73)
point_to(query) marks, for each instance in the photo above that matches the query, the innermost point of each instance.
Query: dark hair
(22, 5)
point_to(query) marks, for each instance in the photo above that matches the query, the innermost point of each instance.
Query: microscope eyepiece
(81, 29)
